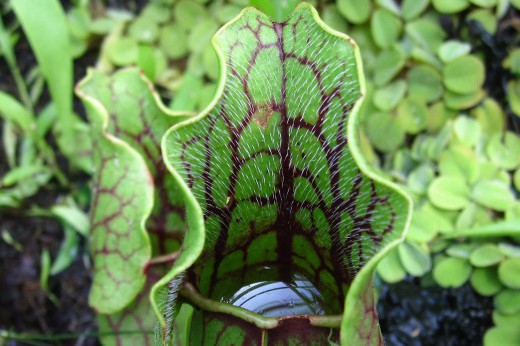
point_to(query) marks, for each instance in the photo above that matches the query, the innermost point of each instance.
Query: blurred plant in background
(440, 116)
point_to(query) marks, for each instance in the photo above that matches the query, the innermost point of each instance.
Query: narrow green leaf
(50, 42)
(12, 110)
(67, 252)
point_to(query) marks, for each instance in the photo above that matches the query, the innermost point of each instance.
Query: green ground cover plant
(439, 119)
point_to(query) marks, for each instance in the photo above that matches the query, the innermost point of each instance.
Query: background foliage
(441, 119)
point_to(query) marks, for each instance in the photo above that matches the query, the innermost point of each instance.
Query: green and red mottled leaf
(136, 211)
(273, 167)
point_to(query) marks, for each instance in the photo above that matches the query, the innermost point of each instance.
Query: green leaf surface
(424, 83)
(464, 75)
(389, 62)
(509, 273)
(449, 192)
(504, 150)
(509, 228)
(390, 269)
(490, 116)
(486, 255)
(485, 281)
(12, 110)
(504, 336)
(493, 194)
(269, 176)
(355, 11)
(415, 260)
(453, 49)
(50, 43)
(450, 6)
(413, 8)
(452, 272)
(508, 301)
(130, 180)
(385, 28)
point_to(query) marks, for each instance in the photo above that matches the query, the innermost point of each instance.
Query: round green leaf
(467, 130)
(516, 179)
(388, 97)
(450, 193)
(459, 161)
(506, 320)
(485, 281)
(450, 6)
(513, 94)
(504, 150)
(384, 132)
(464, 74)
(355, 11)
(512, 62)
(414, 259)
(486, 18)
(411, 114)
(508, 301)
(413, 8)
(509, 273)
(200, 36)
(385, 28)
(516, 4)
(332, 17)
(188, 14)
(463, 101)
(426, 33)
(484, 3)
(438, 115)
(210, 61)
(123, 51)
(173, 41)
(420, 178)
(486, 255)
(227, 12)
(453, 49)
(390, 268)
(493, 194)
(389, 5)
(503, 336)
(143, 29)
(509, 250)
(424, 83)
(490, 116)
(388, 64)
(461, 250)
(451, 272)
(157, 12)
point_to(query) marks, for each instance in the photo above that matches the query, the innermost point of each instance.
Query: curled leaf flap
(127, 121)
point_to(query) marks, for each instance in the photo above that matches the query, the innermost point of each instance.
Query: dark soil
(411, 315)
(24, 307)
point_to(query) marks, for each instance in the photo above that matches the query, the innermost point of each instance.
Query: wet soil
(411, 315)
